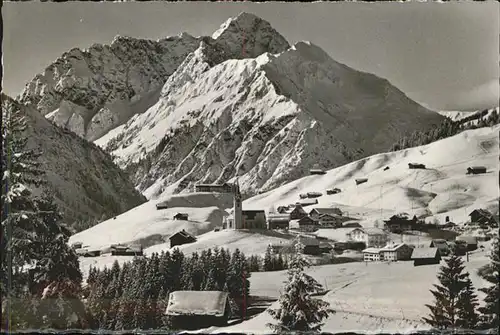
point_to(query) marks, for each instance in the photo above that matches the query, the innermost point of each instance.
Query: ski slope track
(240, 103)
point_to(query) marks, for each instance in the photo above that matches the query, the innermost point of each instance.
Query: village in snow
(246, 180)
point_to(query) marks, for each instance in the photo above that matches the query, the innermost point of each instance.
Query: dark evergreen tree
(444, 312)
(468, 317)
(268, 259)
(491, 309)
(298, 311)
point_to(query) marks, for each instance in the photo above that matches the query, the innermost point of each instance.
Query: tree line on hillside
(456, 305)
(446, 129)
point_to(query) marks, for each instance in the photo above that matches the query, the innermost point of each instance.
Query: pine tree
(268, 259)
(444, 313)
(491, 310)
(468, 317)
(298, 311)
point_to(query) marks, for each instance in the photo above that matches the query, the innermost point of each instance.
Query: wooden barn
(88, 253)
(333, 191)
(308, 224)
(470, 241)
(442, 245)
(317, 171)
(278, 221)
(360, 181)
(181, 237)
(161, 205)
(425, 256)
(476, 170)
(189, 310)
(181, 216)
(314, 194)
(416, 166)
(310, 246)
(483, 217)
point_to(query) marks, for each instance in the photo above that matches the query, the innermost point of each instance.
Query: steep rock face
(85, 181)
(266, 120)
(92, 91)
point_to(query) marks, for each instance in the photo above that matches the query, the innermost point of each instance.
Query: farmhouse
(470, 241)
(371, 254)
(310, 246)
(181, 216)
(396, 252)
(398, 223)
(442, 245)
(327, 220)
(307, 224)
(297, 213)
(476, 170)
(278, 221)
(483, 217)
(315, 213)
(425, 256)
(372, 237)
(181, 237)
(416, 166)
(198, 309)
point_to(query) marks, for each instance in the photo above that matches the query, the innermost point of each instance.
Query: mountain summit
(241, 103)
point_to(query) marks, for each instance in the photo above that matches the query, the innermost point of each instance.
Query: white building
(371, 254)
(372, 237)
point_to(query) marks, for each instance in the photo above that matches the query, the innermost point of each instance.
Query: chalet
(361, 181)
(310, 246)
(125, 250)
(189, 310)
(77, 245)
(327, 220)
(307, 223)
(181, 216)
(181, 237)
(88, 253)
(483, 217)
(315, 213)
(470, 241)
(314, 194)
(254, 219)
(317, 171)
(398, 223)
(371, 254)
(161, 205)
(396, 252)
(278, 221)
(425, 256)
(307, 202)
(372, 237)
(297, 213)
(476, 170)
(333, 191)
(442, 245)
(416, 166)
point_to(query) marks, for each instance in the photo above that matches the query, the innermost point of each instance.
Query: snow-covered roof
(424, 253)
(211, 303)
(278, 217)
(371, 250)
(331, 211)
(392, 247)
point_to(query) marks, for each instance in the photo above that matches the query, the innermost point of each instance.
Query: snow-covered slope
(443, 189)
(460, 115)
(85, 181)
(266, 118)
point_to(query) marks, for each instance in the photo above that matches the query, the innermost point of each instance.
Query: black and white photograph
(243, 167)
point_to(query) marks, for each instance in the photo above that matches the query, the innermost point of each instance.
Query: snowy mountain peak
(248, 36)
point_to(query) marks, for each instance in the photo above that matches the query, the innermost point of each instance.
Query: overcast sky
(445, 56)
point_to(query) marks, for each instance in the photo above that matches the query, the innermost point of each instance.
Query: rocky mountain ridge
(87, 185)
(241, 103)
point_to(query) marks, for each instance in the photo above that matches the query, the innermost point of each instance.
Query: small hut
(416, 166)
(161, 205)
(198, 309)
(181, 216)
(317, 171)
(476, 170)
(361, 181)
(333, 191)
(77, 245)
(181, 237)
(386, 168)
(425, 256)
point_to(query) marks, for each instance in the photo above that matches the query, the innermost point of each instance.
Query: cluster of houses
(292, 216)
(114, 249)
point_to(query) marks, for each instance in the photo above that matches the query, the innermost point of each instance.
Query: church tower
(238, 208)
